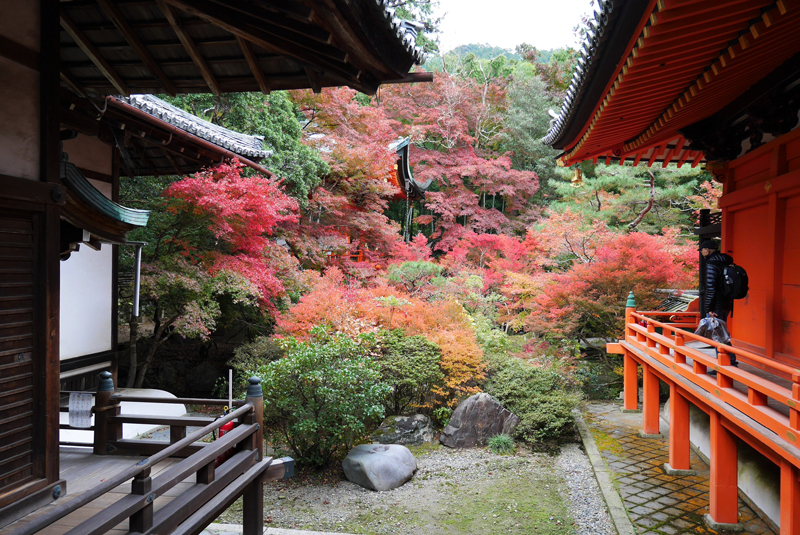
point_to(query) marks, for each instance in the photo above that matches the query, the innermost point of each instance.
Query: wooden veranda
(756, 402)
(118, 485)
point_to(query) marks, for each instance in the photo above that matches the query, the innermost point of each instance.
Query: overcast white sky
(544, 24)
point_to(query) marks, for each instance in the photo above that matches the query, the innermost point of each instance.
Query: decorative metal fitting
(56, 492)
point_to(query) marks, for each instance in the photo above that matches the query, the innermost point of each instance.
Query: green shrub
(501, 444)
(321, 396)
(542, 398)
(410, 366)
(442, 415)
(246, 358)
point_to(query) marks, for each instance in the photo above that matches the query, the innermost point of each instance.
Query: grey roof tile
(251, 147)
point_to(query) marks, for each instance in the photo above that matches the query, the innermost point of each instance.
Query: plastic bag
(714, 328)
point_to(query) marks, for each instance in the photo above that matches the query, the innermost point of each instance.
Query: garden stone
(415, 429)
(379, 466)
(476, 419)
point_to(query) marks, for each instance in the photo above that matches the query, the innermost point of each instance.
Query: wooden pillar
(790, 499)
(253, 508)
(631, 383)
(255, 396)
(630, 308)
(142, 520)
(679, 449)
(253, 498)
(650, 403)
(104, 407)
(723, 487)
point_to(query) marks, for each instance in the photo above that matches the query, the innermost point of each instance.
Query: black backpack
(734, 282)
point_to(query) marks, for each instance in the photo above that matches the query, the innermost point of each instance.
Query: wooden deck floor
(83, 470)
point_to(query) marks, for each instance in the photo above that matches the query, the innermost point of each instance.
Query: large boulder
(415, 429)
(379, 466)
(476, 419)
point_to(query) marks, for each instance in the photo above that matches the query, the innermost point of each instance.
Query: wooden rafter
(313, 80)
(252, 61)
(322, 56)
(100, 62)
(73, 83)
(191, 48)
(173, 161)
(143, 157)
(113, 13)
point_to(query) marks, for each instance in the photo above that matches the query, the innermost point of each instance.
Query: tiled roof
(590, 52)
(405, 30)
(251, 147)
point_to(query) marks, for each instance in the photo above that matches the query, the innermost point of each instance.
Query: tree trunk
(158, 339)
(134, 324)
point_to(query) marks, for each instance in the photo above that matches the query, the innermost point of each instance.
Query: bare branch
(647, 208)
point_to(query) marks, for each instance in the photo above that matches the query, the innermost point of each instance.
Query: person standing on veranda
(717, 303)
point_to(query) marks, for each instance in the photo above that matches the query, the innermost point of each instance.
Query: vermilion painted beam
(790, 499)
(650, 406)
(679, 447)
(722, 19)
(631, 383)
(723, 487)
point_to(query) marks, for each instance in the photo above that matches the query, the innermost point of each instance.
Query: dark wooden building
(60, 64)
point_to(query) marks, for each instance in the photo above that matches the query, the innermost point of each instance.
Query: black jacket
(715, 301)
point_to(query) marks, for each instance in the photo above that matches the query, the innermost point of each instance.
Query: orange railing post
(650, 405)
(723, 487)
(630, 379)
(679, 447)
(790, 499)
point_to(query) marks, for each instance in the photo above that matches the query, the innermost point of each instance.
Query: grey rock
(379, 466)
(476, 419)
(415, 429)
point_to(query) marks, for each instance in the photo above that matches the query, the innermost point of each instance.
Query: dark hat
(708, 244)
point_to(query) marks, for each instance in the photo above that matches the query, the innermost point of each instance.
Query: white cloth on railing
(80, 409)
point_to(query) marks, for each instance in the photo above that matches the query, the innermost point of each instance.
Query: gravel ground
(586, 503)
(469, 492)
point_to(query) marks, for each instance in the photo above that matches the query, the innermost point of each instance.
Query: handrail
(113, 482)
(794, 373)
(669, 350)
(184, 401)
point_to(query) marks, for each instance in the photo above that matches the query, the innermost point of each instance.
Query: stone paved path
(656, 503)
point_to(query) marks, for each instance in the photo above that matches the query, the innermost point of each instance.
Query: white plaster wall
(89, 153)
(86, 297)
(758, 477)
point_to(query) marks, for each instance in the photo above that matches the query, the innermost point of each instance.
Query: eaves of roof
(601, 52)
(245, 145)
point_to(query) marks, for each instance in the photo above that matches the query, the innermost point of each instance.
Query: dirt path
(453, 492)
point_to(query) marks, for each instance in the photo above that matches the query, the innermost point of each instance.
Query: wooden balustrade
(217, 485)
(669, 348)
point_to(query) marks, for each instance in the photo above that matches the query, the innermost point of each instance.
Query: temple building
(691, 82)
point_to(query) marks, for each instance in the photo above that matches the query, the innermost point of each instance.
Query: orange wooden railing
(665, 356)
(669, 349)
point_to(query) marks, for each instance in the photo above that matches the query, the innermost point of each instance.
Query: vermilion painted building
(689, 82)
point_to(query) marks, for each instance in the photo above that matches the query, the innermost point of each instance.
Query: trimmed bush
(541, 397)
(410, 365)
(320, 398)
